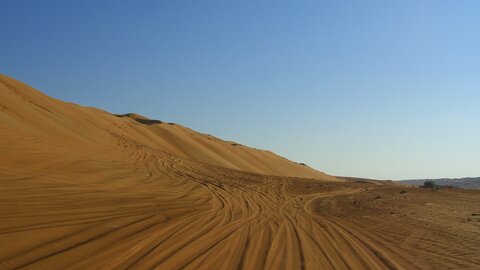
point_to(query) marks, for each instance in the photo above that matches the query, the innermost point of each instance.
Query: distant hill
(467, 183)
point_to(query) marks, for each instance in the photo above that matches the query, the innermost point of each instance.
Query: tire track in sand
(190, 215)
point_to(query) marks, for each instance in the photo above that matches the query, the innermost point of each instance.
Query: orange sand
(81, 188)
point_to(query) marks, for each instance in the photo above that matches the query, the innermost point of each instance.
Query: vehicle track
(163, 212)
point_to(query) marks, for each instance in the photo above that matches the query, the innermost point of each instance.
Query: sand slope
(83, 189)
(27, 112)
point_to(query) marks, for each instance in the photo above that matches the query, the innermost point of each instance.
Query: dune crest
(33, 114)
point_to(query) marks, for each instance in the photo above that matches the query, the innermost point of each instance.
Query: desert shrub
(429, 184)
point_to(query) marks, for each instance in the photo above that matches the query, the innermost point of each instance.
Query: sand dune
(29, 113)
(81, 188)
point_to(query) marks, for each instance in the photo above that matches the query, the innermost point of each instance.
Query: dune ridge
(31, 113)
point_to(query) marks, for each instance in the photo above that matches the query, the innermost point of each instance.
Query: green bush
(429, 184)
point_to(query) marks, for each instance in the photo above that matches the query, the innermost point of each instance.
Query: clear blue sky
(380, 89)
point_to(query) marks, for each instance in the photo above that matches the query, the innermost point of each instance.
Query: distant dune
(81, 188)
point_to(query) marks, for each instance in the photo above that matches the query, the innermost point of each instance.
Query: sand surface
(81, 188)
